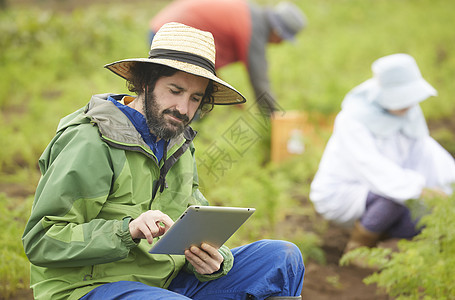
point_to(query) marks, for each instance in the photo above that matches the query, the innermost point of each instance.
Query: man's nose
(182, 106)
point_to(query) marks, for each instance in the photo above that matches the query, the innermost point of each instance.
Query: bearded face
(159, 124)
(173, 103)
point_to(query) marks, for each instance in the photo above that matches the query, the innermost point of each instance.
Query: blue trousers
(261, 269)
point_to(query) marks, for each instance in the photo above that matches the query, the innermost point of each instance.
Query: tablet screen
(210, 224)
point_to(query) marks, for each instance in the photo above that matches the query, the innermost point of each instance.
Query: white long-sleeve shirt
(356, 162)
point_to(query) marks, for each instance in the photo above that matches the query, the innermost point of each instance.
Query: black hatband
(183, 57)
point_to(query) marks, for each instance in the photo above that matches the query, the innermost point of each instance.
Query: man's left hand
(206, 259)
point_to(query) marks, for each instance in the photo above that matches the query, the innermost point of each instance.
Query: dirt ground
(329, 281)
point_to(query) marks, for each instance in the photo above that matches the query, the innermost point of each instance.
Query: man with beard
(117, 175)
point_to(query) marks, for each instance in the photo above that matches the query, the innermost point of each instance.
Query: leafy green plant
(446, 137)
(423, 268)
(14, 266)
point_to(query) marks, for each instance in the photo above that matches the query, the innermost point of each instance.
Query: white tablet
(210, 224)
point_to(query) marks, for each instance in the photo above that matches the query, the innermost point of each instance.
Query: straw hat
(397, 82)
(186, 49)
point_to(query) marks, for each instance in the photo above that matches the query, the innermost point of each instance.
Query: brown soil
(329, 280)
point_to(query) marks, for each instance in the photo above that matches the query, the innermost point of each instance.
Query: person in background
(121, 170)
(242, 31)
(381, 155)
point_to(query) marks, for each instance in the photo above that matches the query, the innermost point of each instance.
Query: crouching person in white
(381, 155)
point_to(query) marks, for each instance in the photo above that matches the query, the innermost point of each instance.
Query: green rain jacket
(97, 174)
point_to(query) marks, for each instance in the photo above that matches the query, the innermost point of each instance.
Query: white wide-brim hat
(397, 82)
(186, 49)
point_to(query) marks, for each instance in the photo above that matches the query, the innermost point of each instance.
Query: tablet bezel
(210, 224)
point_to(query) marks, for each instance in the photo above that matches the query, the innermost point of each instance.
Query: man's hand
(149, 225)
(206, 259)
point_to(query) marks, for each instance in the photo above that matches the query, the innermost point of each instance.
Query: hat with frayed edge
(397, 82)
(186, 49)
(287, 20)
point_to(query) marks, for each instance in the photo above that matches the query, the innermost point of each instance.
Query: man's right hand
(149, 225)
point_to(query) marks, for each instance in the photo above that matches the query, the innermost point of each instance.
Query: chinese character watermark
(240, 136)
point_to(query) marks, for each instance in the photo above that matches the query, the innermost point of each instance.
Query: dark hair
(208, 99)
(147, 74)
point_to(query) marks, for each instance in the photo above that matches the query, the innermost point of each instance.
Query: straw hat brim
(224, 93)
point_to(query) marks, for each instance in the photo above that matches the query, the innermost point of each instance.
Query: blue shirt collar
(140, 124)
